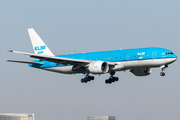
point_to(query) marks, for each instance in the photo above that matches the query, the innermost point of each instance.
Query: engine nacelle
(98, 67)
(141, 72)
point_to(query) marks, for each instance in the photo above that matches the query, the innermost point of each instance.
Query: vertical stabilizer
(39, 46)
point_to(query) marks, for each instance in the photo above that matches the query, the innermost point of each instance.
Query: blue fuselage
(128, 55)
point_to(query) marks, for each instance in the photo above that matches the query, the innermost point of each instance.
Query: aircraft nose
(175, 58)
(172, 59)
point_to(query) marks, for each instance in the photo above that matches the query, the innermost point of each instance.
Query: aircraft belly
(144, 63)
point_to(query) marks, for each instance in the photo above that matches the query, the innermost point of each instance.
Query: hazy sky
(73, 26)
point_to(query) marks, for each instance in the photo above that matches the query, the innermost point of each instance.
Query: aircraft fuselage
(128, 59)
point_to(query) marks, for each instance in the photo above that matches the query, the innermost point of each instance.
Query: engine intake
(141, 72)
(98, 67)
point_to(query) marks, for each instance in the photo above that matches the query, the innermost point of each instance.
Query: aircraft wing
(58, 60)
(24, 62)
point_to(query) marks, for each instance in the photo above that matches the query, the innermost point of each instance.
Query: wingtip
(10, 50)
(6, 60)
(30, 28)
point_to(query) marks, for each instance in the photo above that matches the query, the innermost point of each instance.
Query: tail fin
(39, 46)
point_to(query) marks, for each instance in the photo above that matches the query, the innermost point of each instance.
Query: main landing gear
(162, 70)
(87, 78)
(111, 78)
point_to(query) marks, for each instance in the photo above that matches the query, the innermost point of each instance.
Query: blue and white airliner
(139, 61)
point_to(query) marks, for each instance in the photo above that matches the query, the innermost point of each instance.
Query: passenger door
(154, 55)
(128, 55)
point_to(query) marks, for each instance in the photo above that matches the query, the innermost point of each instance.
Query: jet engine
(98, 67)
(141, 72)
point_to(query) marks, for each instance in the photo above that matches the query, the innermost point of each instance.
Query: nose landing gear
(111, 78)
(162, 74)
(163, 69)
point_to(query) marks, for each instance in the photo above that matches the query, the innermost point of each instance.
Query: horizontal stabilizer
(24, 62)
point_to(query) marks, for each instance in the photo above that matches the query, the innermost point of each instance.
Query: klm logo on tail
(40, 49)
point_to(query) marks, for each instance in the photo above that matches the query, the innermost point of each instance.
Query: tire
(113, 79)
(162, 74)
(116, 78)
(106, 81)
(92, 77)
(89, 78)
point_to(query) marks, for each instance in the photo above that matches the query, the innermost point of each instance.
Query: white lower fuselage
(125, 65)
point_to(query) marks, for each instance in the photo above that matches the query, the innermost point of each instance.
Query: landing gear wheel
(113, 79)
(116, 78)
(106, 81)
(87, 78)
(82, 80)
(162, 74)
(92, 77)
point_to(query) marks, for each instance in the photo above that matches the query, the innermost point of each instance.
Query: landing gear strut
(87, 78)
(162, 70)
(111, 78)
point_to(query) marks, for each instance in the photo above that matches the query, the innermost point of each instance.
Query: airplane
(139, 61)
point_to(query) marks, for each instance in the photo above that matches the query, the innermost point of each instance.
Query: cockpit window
(168, 53)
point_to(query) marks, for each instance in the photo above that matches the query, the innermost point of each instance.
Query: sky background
(74, 26)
